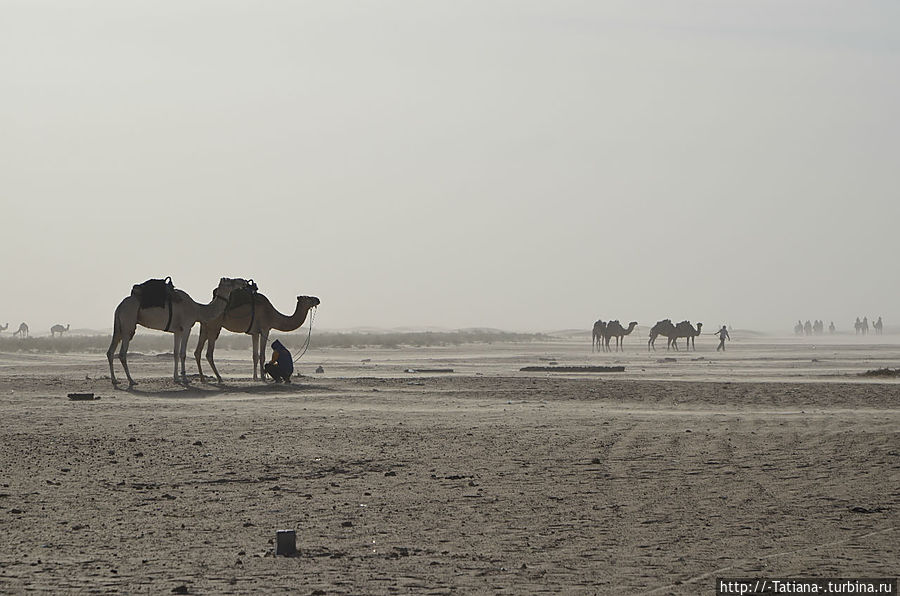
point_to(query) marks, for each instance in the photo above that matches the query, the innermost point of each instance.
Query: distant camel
(58, 329)
(597, 335)
(686, 330)
(176, 316)
(615, 329)
(664, 328)
(879, 326)
(254, 315)
(4, 327)
(23, 330)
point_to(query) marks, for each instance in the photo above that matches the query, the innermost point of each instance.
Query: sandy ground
(485, 480)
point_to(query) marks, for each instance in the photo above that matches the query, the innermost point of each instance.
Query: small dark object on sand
(429, 370)
(286, 543)
(320, 370)
(589, 369)
(83, 397)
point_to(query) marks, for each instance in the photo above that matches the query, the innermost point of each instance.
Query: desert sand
(774, 459)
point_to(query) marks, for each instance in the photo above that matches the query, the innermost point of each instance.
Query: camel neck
(289, 323)
(214, 309)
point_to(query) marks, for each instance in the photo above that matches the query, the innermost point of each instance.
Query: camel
(664, 328)
(686, 330)
(615, 329)
(23, 330)
(879, 327)
(58, 329)
(4, 327)
(178, 318)
(255, 317)
(597, 335)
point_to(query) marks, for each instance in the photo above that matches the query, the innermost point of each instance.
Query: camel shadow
(198, 390)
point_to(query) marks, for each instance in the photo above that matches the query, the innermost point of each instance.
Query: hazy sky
(514, 164)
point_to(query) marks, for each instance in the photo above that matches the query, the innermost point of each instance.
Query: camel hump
(242, 296)
(155, 292)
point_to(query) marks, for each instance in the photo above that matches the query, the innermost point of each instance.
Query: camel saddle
(240, 297)
(156, 293)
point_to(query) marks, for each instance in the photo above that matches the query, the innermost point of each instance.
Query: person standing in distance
(723, 335)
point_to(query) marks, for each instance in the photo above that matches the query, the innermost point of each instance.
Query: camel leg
(263, 340)
(209, 355)
(183, 352)
(176, 346)
(116, 338)
(199, 351)
(255, 352)
(123, 356)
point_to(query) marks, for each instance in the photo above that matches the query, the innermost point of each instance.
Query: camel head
(308, 301)
(699, 326)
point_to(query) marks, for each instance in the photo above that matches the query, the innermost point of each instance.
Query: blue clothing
(283, 358)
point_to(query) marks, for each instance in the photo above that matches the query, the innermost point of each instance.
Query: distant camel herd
(817, 327)
(23, 330)
(604, 332)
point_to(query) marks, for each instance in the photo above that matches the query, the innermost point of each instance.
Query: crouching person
(281, 367)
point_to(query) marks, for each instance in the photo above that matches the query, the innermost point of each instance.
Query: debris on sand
(83, 397)
(583, 369)
(667, 359)
(429, 370)
(881, 372)
(866, 510)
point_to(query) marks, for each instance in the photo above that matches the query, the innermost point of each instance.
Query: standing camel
(597, 335)
(176, 315)
(615, 329)
(686, 330)
(250, 313)
(664, 328)
(23, 330)
(58, 329)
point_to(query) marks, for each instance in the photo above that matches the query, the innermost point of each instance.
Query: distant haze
(509, 164)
